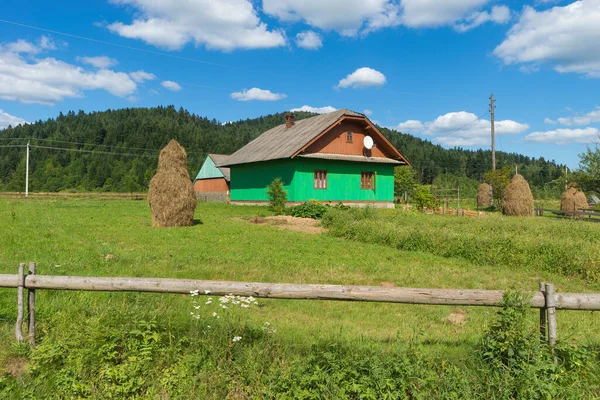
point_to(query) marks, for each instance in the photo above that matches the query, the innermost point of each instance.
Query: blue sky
(424, 67)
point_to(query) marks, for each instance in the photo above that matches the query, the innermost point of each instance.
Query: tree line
(117, 150)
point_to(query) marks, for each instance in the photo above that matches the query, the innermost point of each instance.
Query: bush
(423, 197)
(310, 209)
(277, 196)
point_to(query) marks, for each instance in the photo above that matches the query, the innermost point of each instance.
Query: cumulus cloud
(101, 62)
(309, 40)
(172, 86)
(352, 17)
(367, 112)
(565, 37)
(26, 47)
(361, 78)
(9, 120)
(317, 110)
(223, 25)
(549, 121)
(585, 119)
(48, 80)
(564, 136)
(142, 76)
(461, 129)
(257, 94)
(498, 14)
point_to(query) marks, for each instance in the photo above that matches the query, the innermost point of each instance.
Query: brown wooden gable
(334, 140)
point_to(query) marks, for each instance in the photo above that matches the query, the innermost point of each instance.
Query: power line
(13, 145)
(136, 48)
(92, 151)
(97, 145)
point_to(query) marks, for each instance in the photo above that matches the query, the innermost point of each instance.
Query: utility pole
(492, 107)
(27, 172)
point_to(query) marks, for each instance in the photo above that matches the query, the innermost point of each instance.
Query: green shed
(336, 157)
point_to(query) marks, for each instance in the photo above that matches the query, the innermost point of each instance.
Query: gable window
(367, 180)
(349, 137)
(320, 179)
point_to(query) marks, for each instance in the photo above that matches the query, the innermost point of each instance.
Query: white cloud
(361, 78)
(317, 110)
(25, 47)
(566, 37)
(257, 94)
(48, 80)
(224, 24)
(172, 86)
(585, 119)
(142, 76)
(352, 17)
(461, 129)
(9, 120)
(367, 112)
(549, 121)
(101, 62)
(410, 126)
(564, 136)
(309, 40)
(499, 15)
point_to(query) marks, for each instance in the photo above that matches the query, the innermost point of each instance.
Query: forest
(117, 150)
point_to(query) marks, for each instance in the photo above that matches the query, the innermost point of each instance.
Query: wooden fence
(586, 214)
(545, 299)
(79, 195)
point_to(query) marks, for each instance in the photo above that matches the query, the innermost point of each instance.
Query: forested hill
(117, 150)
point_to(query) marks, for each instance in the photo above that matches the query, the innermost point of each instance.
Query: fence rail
(546, 300)
(585, 214)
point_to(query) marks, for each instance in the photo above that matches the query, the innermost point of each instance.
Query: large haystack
(484, 197)
(572, 200)
(171, 194)
(517, 200)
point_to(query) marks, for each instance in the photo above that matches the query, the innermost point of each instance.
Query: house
(212, 181)
(336, 157)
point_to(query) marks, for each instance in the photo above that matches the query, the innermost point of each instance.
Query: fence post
(31, 308)
(20, 311)
(551, 307)
(543, 314)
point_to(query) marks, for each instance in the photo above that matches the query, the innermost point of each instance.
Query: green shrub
(277, 196)
(423, 197)
(310, 209)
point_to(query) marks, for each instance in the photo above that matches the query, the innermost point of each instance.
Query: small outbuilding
(213, 180)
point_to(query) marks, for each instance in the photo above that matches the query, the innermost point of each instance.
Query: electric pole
(492, 107)
(27, 172)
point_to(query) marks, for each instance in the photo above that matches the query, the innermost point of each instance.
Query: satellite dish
(368, 142)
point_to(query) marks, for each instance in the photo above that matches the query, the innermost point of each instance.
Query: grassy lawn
(97, 237)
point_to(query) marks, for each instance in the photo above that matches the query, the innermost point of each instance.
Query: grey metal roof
(281, 142)
(220, 159)
(346, 157)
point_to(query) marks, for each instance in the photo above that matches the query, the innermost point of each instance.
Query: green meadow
(141, 345)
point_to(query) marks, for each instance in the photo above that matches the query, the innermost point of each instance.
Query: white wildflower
(208, 302)
(236, 339)
(214, 314)
(244, 306)
(207, 292)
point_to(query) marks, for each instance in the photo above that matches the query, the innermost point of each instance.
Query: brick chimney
(289, 120)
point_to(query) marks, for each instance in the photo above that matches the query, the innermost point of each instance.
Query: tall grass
(571, 248)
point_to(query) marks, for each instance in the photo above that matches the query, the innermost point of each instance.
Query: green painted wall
(249, 181)
(208, 170)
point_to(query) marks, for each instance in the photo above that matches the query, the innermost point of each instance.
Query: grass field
(97, 237)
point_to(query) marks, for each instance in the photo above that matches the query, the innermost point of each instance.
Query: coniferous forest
(117, 150)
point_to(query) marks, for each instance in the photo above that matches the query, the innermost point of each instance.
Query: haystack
(572, 200)
(171, 194)
(517, 200)
(484, 198)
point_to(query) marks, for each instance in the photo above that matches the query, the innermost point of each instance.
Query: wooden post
(31, 308)
(551, 306)
(542, 316)
(20, 290)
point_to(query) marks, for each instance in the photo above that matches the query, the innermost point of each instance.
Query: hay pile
(517, 200)
(484, 199)
(572, 200)
(171, 194)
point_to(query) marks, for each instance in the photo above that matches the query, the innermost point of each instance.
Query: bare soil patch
(16, 366)
(457, 317)
(306, 225)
